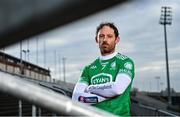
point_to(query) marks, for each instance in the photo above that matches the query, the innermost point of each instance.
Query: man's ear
(96, 39)
(117, 40)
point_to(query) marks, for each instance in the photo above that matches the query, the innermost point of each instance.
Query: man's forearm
(111, 89)
(80, 94)
(105, 90)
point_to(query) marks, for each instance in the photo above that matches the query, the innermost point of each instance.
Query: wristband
(88, 99)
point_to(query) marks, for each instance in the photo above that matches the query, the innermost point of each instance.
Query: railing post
(20, 108)
(39, 112)
(33, 111)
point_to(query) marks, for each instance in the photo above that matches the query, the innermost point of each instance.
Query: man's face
(107, 40)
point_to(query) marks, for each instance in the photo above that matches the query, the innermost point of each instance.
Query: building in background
(17, 66)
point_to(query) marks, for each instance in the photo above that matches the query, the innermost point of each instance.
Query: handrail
(45, 98)
(148, 107)
(167, 113)
(157, 110)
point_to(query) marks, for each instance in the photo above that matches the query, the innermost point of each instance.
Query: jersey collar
(108, 56)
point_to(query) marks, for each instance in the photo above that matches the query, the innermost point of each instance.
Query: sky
(142, 39)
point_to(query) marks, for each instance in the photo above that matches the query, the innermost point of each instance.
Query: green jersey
(105, 71)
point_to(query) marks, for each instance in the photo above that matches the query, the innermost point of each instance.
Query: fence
(143, 110)
(45, 98)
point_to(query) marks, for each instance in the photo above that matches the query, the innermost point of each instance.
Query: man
(106, 82)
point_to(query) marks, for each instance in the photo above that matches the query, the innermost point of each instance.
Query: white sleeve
(111, 89)
(80, 94)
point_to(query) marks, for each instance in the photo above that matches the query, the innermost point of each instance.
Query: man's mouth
(105, 44)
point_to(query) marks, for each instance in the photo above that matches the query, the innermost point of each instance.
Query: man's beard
(106, 48)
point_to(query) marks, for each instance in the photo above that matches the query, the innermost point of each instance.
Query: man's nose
(105, 38)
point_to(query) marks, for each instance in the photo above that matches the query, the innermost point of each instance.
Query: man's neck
(109, 56)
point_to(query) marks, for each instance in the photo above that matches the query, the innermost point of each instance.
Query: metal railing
(143, 110)
(42, 97)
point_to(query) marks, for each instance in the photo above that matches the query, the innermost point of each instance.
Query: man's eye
(109, 36)
(101, 36)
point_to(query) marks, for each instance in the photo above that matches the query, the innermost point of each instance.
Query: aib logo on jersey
(113, 66)
(101, 78)
(81, 98)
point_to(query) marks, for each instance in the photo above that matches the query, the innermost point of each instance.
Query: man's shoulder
(93, 64)
(122, 57)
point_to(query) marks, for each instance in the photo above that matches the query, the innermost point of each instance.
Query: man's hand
(80, 94)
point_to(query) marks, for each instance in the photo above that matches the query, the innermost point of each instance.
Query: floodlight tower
(166, 19)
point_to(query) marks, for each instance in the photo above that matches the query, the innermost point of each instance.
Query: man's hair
(111, 25)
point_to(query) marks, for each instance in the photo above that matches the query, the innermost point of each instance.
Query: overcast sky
(142, 39)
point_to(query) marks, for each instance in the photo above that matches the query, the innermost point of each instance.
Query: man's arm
(113, 88)
(80, 94)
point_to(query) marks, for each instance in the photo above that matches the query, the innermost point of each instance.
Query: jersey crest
(128, 65)
(113, 66)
